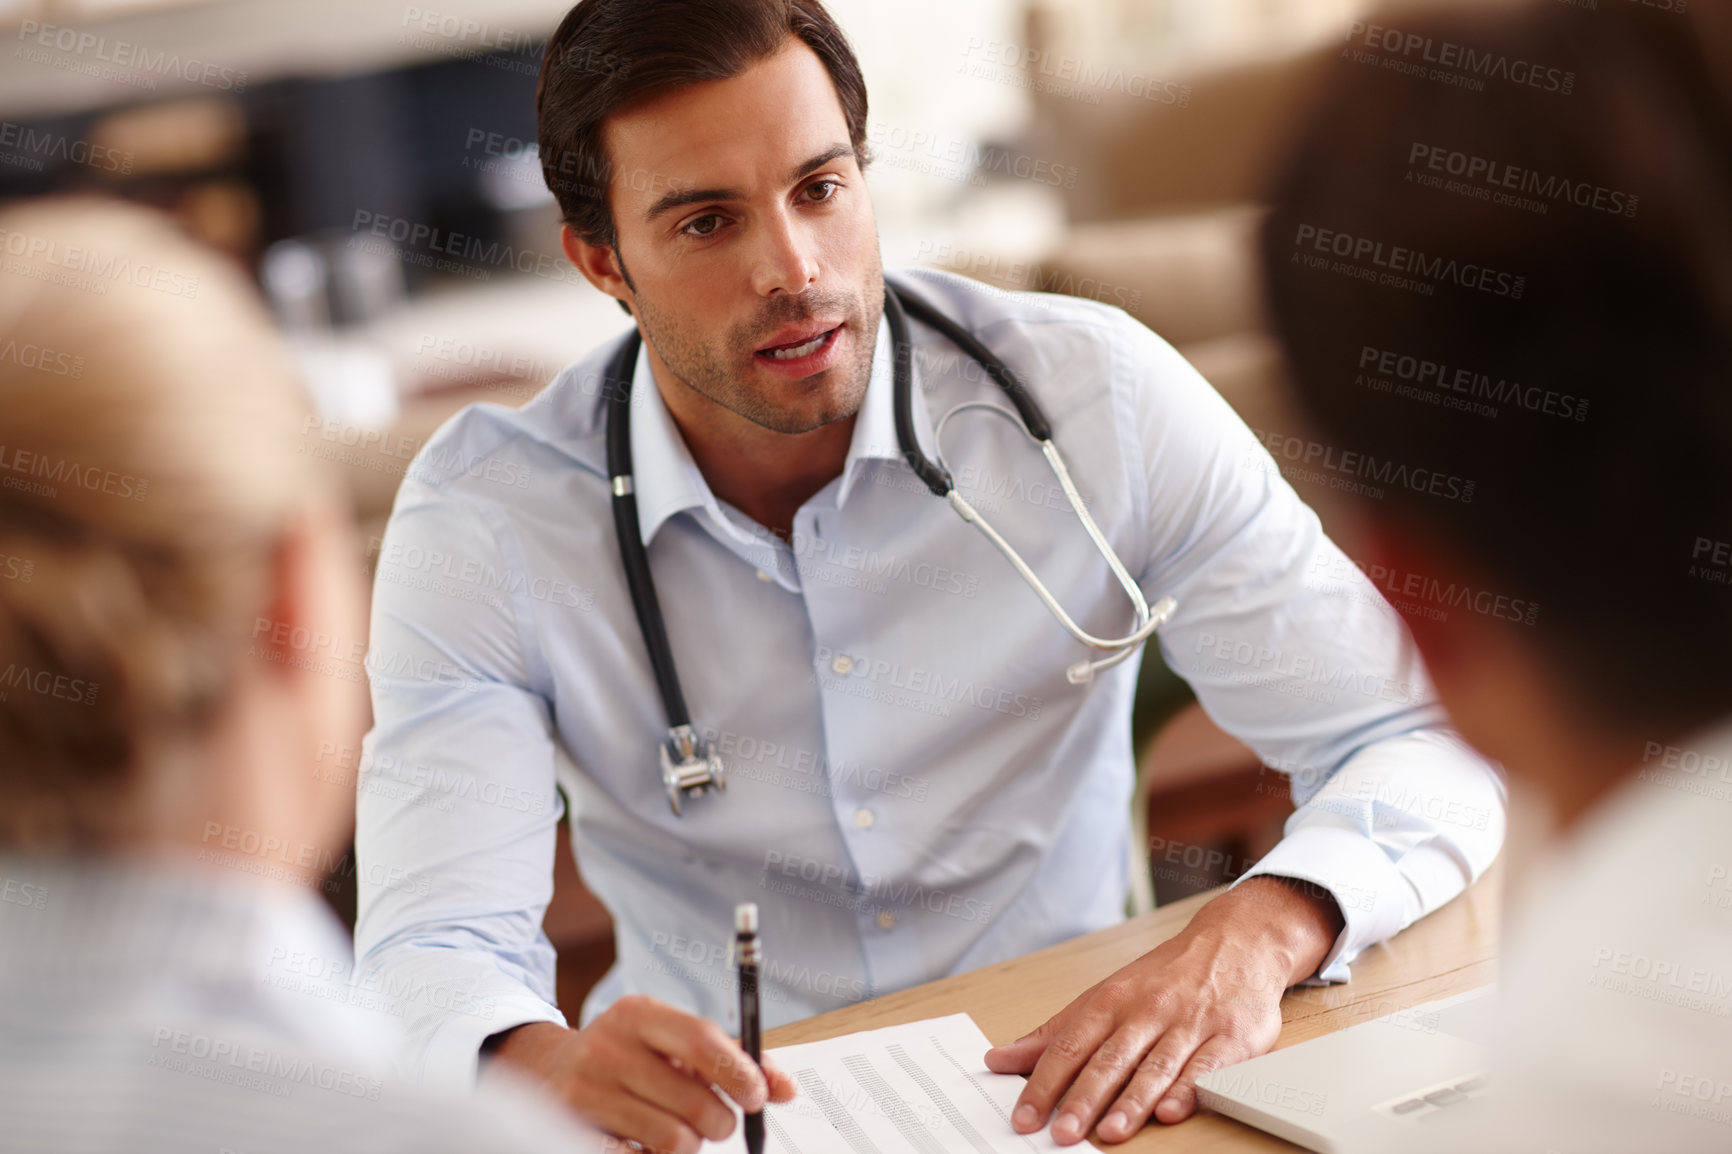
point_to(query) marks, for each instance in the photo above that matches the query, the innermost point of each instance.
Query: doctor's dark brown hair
(608, 55)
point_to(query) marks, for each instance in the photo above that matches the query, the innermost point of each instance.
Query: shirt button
(886, 920)
(763, 576)
(843, 665)
(864, 818)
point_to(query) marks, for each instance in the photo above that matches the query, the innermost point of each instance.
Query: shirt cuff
(452, 1057)
(1375, 895)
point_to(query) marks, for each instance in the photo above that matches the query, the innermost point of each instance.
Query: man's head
(708, 159)
(1590, 403)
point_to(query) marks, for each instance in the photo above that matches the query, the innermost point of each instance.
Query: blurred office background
(372, 163)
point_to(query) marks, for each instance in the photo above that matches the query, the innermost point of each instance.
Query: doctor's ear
(599, 264)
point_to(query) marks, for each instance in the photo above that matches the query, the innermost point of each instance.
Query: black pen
(746, 956)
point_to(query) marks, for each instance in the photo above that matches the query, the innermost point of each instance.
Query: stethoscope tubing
(899, 304)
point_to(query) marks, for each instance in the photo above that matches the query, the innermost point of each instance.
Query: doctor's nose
(784, 259)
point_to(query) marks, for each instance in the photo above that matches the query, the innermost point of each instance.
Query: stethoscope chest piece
(690, 766)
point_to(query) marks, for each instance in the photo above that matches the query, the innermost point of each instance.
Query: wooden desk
(1451, 951)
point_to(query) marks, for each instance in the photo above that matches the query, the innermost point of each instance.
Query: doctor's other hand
(1135, 1044)
(647, 1072)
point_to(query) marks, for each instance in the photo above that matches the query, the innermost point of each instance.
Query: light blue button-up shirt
(913, 787)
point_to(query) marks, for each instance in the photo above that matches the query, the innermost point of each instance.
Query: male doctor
(914, 788)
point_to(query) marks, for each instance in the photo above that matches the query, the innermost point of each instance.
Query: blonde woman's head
(160, 541)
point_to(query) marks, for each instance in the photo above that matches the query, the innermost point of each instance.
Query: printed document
(920, 1088)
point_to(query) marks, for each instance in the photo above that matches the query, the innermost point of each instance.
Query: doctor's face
(748, 241)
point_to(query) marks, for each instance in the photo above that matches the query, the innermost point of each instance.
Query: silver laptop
(1413, 1067)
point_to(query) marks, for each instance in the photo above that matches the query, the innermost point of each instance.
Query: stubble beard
(712, 372)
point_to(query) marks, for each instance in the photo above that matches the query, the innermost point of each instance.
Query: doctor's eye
(701, 226)
(825, 190)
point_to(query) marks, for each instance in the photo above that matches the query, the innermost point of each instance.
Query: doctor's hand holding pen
(1133, 1046)
(647, 1072)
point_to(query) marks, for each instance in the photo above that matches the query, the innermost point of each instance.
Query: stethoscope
(690, 766)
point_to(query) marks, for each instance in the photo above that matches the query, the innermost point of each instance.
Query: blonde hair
(148, 418)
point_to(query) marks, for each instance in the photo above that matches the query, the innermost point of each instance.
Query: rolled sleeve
(1394, 834)
(1293, 651)
(457, 808)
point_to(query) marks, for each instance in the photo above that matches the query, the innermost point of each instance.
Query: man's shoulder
(562, 426)
(977, 305)
(1071, 351)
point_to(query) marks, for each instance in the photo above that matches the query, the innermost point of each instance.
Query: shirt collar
(668, 481)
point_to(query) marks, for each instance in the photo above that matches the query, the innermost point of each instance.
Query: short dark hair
(1559, 253)
(610, 54)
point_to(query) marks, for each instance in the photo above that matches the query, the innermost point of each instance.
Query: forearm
(1292, 923)
(533, 1046)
